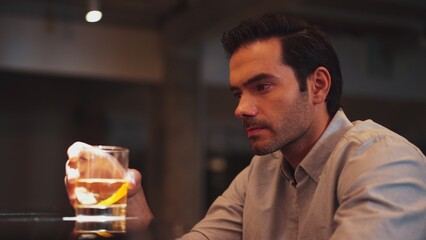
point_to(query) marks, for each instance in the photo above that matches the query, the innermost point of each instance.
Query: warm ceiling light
(94, 14)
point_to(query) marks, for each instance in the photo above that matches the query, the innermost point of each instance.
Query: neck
(297, 150)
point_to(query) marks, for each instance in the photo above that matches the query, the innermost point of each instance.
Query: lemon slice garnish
(104, 234)
(119, 194)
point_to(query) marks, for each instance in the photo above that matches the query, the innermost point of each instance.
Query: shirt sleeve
(224, 218)
(382, 192)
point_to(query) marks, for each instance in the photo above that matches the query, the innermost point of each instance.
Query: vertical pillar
(183, 159)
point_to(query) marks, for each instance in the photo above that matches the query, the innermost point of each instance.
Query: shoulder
(380, 184)
(370, 155)
(369, 130)
(378, 141)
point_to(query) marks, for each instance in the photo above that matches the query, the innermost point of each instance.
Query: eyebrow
(254, 79)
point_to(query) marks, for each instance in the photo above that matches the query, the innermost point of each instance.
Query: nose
(245, 109)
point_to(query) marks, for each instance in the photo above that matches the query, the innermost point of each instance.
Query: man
(316, 175)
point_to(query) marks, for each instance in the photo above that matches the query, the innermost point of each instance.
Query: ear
(319, 83)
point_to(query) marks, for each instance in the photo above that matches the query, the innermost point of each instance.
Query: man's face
(275, 113)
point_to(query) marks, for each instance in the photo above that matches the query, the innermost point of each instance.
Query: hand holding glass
(100, 188)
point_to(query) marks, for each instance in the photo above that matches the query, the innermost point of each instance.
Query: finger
(75, 149)
(71, 175)
(70, 186)
(134, 178)
(71, 170)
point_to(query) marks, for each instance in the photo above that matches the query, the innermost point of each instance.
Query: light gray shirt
(359, 181)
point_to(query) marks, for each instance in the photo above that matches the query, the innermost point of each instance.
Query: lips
(253, 131)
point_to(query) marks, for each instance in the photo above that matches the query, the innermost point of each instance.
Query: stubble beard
(294, 124)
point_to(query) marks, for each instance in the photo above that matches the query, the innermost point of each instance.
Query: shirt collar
(315, 160)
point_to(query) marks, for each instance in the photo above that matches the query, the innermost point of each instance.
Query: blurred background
(151, 76)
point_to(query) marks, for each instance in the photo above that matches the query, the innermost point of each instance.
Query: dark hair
(304, 48)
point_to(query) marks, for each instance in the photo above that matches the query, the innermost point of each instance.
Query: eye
(262, 86)
(236, 94)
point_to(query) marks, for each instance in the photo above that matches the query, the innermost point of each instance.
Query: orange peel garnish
(105, 234)
(115, 197)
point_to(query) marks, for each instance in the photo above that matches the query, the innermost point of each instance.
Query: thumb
(134, 178)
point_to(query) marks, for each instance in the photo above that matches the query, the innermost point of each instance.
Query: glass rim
(111, 148)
